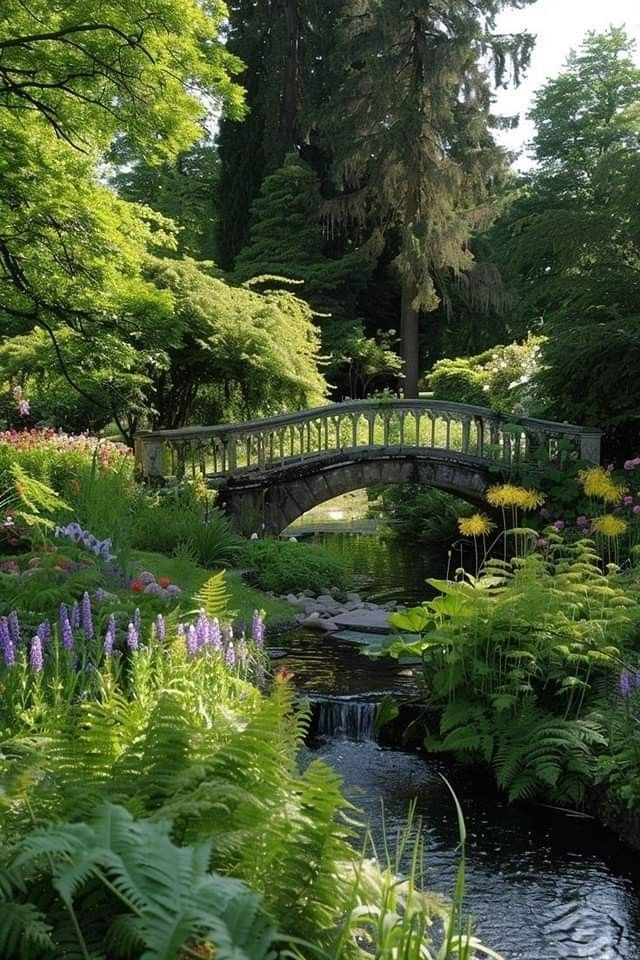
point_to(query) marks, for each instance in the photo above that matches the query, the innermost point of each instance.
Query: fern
(151, 892)
(213, 597)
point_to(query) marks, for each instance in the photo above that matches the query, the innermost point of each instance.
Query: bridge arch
(269, 472)
(272, 506)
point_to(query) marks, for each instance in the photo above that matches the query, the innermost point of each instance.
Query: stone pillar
(590, 446)
(149, 454)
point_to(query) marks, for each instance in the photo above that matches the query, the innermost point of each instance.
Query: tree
(183, 190)
(572, 236)
(72, 254)
(408, 125)
(288, 240)
(284, 45)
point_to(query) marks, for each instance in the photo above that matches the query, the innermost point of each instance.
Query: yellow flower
(532, 499)
(596, 482)
(509, 495)
(478, 525)
(610, 526)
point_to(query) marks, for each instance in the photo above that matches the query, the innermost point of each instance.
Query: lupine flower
(137, 619)
(230, 655)
(67, 635)
(202, 629)
(6, 644)
(192, 641)
(132, 637)
(14, 629)
(257, 629)
(242, 652)
(625, 684)
(63, 614)
(74, 619)
(159, 627)
(110, 636)
(215, 635)
(36, 658)
(44, 631)
(87, 618)
(181, 631)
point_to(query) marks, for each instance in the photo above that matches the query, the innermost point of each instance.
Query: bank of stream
(541, 884)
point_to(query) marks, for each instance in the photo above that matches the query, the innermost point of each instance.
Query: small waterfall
(344, 718)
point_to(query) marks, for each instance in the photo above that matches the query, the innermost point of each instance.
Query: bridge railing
(396, 426)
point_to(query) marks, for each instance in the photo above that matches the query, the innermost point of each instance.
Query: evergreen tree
(288, 240)
(284, 45)
(572, 237)
(408, 125)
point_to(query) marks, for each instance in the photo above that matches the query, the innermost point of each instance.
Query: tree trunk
(289, 108)
(409, 340)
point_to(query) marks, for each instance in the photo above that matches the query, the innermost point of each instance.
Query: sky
(560, 26)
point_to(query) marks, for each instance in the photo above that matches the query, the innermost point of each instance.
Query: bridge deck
(258, 450)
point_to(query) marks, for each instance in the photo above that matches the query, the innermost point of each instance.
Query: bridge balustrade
(393, 427)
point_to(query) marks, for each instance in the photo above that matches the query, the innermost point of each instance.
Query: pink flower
(636, 462)
(582, 521)
(636, 509)
(23, 408)
(628, 501)
(610, 468)
(559, 524)
(629, 465)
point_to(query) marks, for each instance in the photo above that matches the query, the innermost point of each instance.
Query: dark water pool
(541, 885)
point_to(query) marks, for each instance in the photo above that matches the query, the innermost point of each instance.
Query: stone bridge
(269, 472)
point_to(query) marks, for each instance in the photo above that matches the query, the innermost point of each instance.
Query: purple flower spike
(6, 645)
(160, 628)
(63, 614)
(36, 658)
(14, 629)
(215, 635)
(137, 619)
(625, 684)
(110, 636)
(87, 617)
(132, 637)
(44, 631)
(202, 629)
(257, 629)
(230, 655)
(74, 619)
(192, 641)
(67, 635)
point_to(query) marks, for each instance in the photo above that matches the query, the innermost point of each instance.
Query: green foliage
(284, 567)
(514, 659)
(569, 241)
(213, 596)
(501, 378)
(420, 514)
(183, 520)
(158, 904)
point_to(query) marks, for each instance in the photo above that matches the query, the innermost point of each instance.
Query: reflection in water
(541, 885)
(392, 570)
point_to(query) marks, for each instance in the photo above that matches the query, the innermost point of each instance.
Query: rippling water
(541, 885)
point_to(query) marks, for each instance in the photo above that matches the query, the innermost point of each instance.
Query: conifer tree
(408, 125)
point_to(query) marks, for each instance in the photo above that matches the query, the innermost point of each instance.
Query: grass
(190, 578)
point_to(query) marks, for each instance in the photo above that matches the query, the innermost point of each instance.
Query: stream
(541, 884)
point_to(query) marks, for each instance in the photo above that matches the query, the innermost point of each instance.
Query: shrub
(285, 567)
(502, 378)
(422, 514)
(458, 380)
(183, 522)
